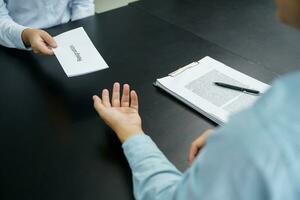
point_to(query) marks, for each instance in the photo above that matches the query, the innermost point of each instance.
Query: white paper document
(194, 84)
(77, 54)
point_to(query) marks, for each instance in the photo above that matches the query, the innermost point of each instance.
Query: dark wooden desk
(247, 27)
(52, 143)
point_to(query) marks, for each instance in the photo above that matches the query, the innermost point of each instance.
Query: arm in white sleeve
(82, 9)
(10, 31)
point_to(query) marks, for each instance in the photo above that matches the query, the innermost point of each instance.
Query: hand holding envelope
(77, 54)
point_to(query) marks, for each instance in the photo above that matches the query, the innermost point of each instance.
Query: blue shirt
(17, 15)
(255, 156)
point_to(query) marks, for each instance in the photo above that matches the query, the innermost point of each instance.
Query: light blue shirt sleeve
(155, 178)
(10, 31)
(82, 9)
(254, 156)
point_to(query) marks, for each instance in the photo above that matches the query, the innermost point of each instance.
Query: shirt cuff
(17, 37)
(138, 147)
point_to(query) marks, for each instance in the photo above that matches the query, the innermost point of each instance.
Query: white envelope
(77, 54)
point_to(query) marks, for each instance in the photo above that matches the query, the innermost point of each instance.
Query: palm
(122, 116)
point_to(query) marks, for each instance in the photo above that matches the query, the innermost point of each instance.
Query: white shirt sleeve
(82, 9)
(10, 31)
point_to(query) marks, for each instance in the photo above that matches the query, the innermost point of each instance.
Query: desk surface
(54, 146)
(247, 27)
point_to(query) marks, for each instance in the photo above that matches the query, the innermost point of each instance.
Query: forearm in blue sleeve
(10, 31)
(82, 9)
(154, 177)
(219, 172)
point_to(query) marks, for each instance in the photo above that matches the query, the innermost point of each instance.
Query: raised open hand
(121, 115)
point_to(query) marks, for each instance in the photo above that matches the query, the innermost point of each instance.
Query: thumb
(98, 105)
(194, 150)
(48, 39)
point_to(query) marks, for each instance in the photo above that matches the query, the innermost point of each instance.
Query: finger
(105, 98)
(42, 48)
(193, 153)
(200, 141)
(35, 51)
(48, 39)
(125, 96)
(208, 132)
(116, 95)
(198, 144)
(203, 137)
(98, 104)
(134, 100)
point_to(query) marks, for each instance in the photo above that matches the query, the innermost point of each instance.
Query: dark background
(54, 146)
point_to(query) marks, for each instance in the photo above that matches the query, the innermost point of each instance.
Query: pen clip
(254, 94)
(182, 69)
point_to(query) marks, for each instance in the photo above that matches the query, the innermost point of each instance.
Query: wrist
(25, 36)
(124, 135)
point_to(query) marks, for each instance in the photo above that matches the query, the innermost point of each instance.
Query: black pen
(241, 89)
